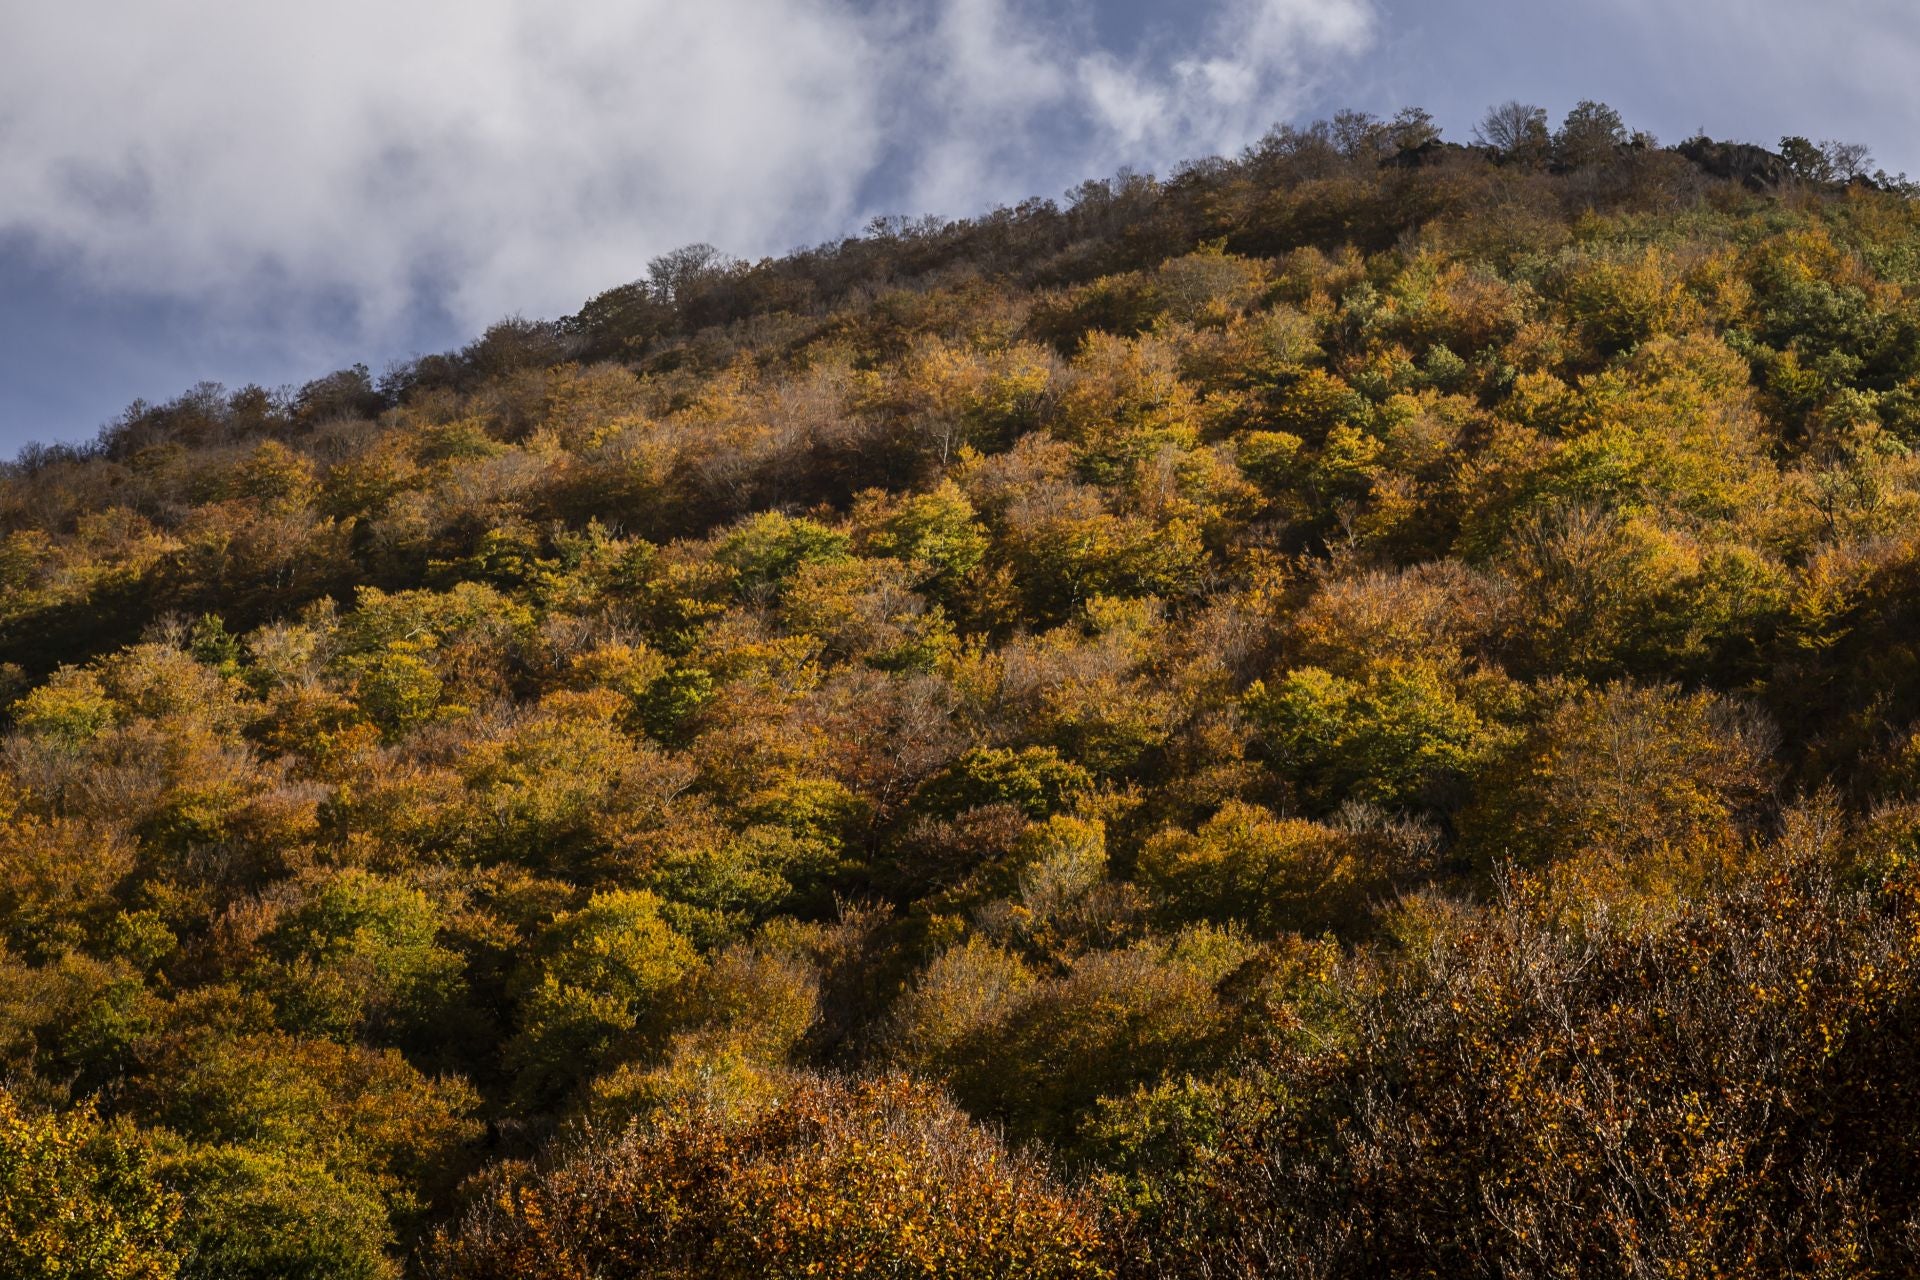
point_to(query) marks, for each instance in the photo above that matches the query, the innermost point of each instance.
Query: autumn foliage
(879, 1178)
(1352, 711)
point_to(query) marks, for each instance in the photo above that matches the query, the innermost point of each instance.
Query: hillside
(1353, 711)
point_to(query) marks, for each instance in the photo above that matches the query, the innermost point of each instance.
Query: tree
(1804, 160)
(1828, 162)
(1034, 780)
(1398, 737)
(81, 1199)
(1517, 130)
(344, 393)
(261, 1215)
(1590, 135)
(1847, 161)
(599, 987)
(1412, 128)
(366, 1117)
(1649, 786)
(1355, 133)
(1524, 1098)
(676, 274)
(1040, 1059)
(876, 1179)
(360, 956)
(1361, 135)
(935, 532)
(766, 550)
(1278, 874)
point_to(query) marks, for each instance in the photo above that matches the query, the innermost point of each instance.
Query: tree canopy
(1352, 710)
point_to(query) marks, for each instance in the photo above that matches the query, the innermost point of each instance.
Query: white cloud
(1257, 50)
(522, 149)
(511, 155)
(1020, 107)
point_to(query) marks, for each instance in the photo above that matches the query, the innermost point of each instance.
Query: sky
(230, 191)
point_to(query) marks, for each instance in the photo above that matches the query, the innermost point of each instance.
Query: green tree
(600, 985)
(1590, 135)
(361, 956)
(1397, 737)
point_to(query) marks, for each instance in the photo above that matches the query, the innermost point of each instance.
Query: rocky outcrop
(1754, 167)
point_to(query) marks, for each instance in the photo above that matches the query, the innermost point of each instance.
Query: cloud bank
(349, 167)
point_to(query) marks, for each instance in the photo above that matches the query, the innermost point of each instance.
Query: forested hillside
(1353, 711)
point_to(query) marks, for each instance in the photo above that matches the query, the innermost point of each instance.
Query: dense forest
(1350, 711)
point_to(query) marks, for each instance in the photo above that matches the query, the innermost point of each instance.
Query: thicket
(1351, 711)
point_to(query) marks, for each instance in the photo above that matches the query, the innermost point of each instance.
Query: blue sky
(237, 192)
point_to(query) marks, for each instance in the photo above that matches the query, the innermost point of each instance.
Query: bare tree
(1515, 129)
(1361, 135)
(1829, 162)
(1846, 160)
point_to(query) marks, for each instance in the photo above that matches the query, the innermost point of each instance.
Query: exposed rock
(1754, 167)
